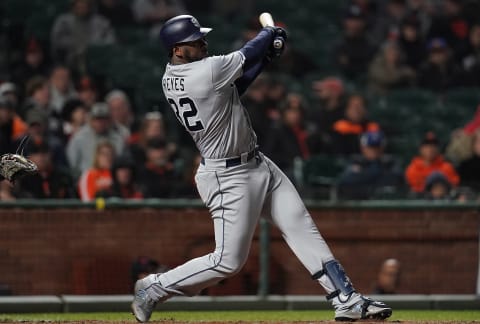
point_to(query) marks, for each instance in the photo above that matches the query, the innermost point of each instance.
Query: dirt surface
(169, 321)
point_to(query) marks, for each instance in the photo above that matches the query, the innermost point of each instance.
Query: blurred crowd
(89, 139)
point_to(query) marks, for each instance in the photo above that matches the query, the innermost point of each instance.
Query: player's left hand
(15, 166)
(278, 44)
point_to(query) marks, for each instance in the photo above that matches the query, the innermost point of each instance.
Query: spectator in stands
(87, 91)
(117, 12)
(157, 176)
(120, 108)
(347, 131)
(12, 128)
(437, 187)
(288, 139)
(8, 90)
(469, 169)
(51, 181)
(411, 42)
(61, 87)
(6, 193)
(123, 180)
(152, 127)
(387, 71)
(75, 116)
(153, 13)
(429, 160)
(423, 11)
(388, 277)
(38, 96)
(451, 24)
(330, 92)
(460, 146)
(98, 177)
(73, 32)
(470, 56)
(439, 72)
(354, 51)
(38, 132)
(33, 64)
(39, 100)
(387, 24)
(372, 171)
(82, 146)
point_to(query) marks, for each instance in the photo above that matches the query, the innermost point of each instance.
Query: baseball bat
(266, 19)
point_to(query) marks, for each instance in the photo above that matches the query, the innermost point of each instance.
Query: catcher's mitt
(15, 166)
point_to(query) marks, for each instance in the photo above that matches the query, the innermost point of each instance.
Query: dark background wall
(83, 251)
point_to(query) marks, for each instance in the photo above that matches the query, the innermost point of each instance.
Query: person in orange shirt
(99, 176)
(429, 160)
(347, 131)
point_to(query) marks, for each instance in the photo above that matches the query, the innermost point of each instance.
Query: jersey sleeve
(227, 68)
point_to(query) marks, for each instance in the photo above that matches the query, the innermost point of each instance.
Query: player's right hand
(280, 32)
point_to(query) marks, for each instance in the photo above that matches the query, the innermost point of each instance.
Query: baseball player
(235, 180)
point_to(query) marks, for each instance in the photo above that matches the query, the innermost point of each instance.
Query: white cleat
(142, 305)
(366, 308)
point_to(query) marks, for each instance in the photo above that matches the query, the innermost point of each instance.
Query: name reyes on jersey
(174, 84)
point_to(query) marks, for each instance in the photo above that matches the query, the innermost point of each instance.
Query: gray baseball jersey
(207, 104)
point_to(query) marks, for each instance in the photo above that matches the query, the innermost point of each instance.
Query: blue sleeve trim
(256, 49)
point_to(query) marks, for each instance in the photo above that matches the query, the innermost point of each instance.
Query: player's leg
(234, 199)
(288, 212)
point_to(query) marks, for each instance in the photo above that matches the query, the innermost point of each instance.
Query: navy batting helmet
(181, 29)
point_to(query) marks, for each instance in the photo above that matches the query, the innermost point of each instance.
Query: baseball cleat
(366, 308)
(142, 305)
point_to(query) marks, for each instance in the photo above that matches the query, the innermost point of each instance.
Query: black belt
(237, 160)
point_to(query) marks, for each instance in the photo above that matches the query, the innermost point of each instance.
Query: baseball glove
(15, 166)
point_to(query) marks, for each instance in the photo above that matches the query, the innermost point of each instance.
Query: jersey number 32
(189, 113)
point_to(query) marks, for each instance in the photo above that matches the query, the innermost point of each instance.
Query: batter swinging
(234, 179)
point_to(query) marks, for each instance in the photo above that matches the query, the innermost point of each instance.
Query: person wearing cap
(451, 23)
(354, 51)
(38, 132)
(81, 147)
(429, 160)
(12, 127)
(372, 171)
(50, 182)
(437, 187)
(439, 72)
(74, 31)
(8, 90)
(157, 175)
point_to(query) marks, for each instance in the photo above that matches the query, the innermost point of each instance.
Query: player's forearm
(249, 76)
(256, 49)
